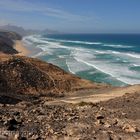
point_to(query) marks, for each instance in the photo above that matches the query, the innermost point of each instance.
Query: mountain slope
(25, 32)
(7, 40)
(32, 76)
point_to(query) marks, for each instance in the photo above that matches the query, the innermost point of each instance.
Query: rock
(12, 124)
(16, 113)
(101, 109)
(107, 125)
(99, 122)
(115, 121)
(35, 137)
(99, 117)
(51, 131)
(16, 137)
(124, 114)
(128, 128)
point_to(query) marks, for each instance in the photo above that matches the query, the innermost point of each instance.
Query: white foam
(117, 46)
(40, 54)
(69, 68)
(110, 70)
(136, 65)
(82, 59)
(77, 42)
(48, 44)
(90, 43)
(101, 52)
(62, 56)
(134, 55)
(118, 71)
(75, 67)
(115, 52)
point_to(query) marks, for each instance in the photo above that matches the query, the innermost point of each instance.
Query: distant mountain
(50, 31)
(10, 35)
(24, 32)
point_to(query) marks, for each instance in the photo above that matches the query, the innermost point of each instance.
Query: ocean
(103, 58)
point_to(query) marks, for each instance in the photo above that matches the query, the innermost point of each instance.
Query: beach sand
(23, 51)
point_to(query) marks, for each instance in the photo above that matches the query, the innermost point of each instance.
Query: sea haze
(108, 58)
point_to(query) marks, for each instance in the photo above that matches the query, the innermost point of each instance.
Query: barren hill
(7, 42)
(32, 76)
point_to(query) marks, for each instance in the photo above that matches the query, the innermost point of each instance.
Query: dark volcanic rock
(10, 35)
(6, 46)
(7, 42)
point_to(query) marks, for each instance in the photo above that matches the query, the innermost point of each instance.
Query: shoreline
(26, 50)
(20, 47)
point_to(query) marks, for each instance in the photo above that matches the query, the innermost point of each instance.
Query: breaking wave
(115, 64)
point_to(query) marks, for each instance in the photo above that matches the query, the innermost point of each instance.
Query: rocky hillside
(7, 42)
(32, 76)
(10, 35)
(116, 119)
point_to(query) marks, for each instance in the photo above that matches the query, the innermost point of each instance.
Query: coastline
(57, 100)
(20, 47)
(26, 50)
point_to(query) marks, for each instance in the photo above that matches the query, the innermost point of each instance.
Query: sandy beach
(19, 46)
(25, 50)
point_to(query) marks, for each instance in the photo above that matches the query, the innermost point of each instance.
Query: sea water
(103, 58)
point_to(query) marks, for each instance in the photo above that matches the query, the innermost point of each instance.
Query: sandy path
(101, 96)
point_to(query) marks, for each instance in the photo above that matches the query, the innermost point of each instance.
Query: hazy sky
(90, 16)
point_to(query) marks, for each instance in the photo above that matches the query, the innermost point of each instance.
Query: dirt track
(98, 96)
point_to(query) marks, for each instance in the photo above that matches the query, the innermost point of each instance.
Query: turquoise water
(113, 59)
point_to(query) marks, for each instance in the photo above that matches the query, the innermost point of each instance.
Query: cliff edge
(7, 40)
